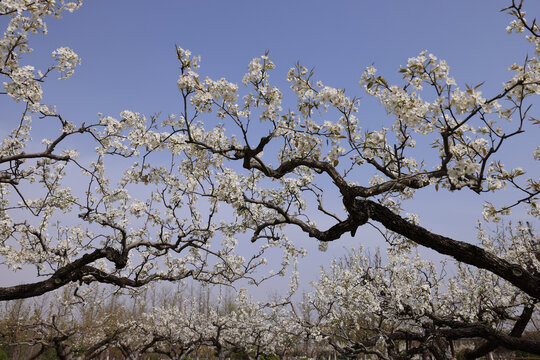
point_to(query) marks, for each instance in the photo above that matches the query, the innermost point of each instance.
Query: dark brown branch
(64, 275)
(488, 346)
(461, 251)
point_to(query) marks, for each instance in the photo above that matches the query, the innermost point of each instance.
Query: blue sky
(128, 56)
(128, 59)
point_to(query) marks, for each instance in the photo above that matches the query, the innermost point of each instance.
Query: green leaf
(477, 86)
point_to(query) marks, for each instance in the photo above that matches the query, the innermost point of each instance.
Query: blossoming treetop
(273, 168)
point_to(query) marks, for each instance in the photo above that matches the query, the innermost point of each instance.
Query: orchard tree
(63, 325)
(230, 327)
(94, 230)
(175, 327)
(409, 306)
(239, 152)
(307, 159)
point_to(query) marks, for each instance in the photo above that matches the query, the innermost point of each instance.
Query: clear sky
(128, 59)
(127, 47)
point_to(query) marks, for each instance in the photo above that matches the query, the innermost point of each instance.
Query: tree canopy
(132, 200)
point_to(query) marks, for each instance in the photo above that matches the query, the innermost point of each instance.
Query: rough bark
(459, 250)
(73, 271)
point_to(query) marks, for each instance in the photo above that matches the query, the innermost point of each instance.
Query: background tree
(410, 306)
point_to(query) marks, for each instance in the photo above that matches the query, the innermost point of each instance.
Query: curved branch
(488, 346)
(459, 250)
(71, 272)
